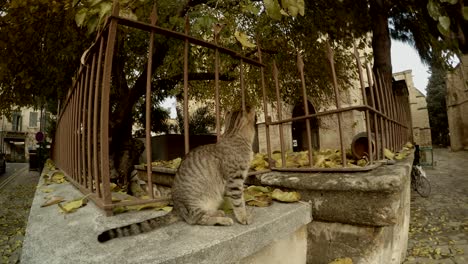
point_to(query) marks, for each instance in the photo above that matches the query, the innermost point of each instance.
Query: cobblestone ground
(439, 224)
(16, 195)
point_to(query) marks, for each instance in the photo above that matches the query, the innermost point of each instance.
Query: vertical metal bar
(79, 109)
(84, 110)
(88, 123)
(381, 119)
(149, 73)
(186, 112)
(374, 115)
(300, 66)
(279, 112)
(384, 108)
(391, 109)
(364, 101)
(218, 116)
(386, 105)
(105, 107)
(337, 102)
(97, 148)
(265, 105)
(242, 84)
(74, 127)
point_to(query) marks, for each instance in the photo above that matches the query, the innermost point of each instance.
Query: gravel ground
(16, 196)
(439, 223)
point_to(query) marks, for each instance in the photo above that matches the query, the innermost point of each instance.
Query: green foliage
(40, 47)
(437, 28)
(436, 104)
(201, 121)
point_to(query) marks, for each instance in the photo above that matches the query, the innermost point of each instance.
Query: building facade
(419, 114)
(457, 105)
(18, 134)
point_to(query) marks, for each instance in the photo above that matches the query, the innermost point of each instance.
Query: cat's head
(240, 120)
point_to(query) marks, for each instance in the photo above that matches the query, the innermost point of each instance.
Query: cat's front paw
(243, 218)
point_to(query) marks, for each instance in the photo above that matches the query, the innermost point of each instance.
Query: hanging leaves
(242, 38)
(273, 9)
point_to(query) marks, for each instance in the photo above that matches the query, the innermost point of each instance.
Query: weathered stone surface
(55, 238)
(362, 198)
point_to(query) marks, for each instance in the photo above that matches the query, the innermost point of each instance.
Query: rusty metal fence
(81, 145)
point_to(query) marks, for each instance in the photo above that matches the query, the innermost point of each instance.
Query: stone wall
(419, 113)
(457, 105)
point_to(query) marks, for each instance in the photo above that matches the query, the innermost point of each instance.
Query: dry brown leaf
(53, 200)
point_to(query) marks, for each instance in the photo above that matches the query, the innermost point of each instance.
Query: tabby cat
(205, 176)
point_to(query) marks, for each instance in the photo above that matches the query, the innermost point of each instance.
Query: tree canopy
(436, 104)
(40, 47)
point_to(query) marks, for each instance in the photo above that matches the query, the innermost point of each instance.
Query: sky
(405, 57)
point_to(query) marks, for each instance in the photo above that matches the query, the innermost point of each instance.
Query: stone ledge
(385, 178)
(360, 198)
(55, 238)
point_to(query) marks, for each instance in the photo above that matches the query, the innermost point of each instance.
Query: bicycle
(419, 181)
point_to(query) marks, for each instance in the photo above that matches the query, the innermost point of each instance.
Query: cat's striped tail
(138, 228)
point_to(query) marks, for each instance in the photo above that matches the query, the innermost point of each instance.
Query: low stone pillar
(361, 215)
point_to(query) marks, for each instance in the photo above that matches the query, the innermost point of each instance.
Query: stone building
(18, 134)
(457, 105)
(419, 114)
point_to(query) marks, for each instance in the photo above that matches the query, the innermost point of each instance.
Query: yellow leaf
(155, 205)
(58, 178)
(262, 189)
(260, 201)
(342, 261)
(361, 163)
(242, 38)
(167, 208)
(388, 154)
(288, 197)
(400, 156)
(119, 210)
(71, 206)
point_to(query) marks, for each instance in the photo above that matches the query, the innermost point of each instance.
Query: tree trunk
(381, 43)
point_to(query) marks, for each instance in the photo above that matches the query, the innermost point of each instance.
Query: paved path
(17, 188)
(439, 224)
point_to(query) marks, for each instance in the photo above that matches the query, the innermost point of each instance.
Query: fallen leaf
(58, 177)
(72, 206)
(388, 154)
(155, 205)
(52, 200)
(288, 197)
(260, 201)
(342, 261)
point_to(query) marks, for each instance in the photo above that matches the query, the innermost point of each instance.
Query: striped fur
(205, 176)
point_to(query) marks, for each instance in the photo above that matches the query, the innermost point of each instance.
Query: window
(33, 119)
(16, 121)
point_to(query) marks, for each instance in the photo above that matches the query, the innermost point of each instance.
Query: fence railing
(81, 147)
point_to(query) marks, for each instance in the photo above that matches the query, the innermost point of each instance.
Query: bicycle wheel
(423, 187)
